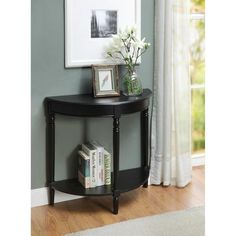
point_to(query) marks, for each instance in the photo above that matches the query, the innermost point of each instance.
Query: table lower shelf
(128, 180)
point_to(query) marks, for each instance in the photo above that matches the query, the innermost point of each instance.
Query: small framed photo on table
(105, 81)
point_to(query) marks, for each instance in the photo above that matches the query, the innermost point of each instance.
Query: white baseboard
(39, 197)
(198, 160)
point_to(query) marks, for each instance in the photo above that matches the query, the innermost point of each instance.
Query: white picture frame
(85, 41)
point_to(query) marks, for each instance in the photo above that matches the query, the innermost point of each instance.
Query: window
(197, 72)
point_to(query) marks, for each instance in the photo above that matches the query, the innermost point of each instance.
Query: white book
(84, 169)
(92, 153)
(100, 163)
(107, 167)
(85, 181)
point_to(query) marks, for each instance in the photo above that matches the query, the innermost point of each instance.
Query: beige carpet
(190, 222)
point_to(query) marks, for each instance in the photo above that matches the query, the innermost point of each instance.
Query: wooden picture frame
(105, 81)
(89, 26)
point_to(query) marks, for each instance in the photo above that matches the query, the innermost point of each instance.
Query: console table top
(87, 105)
(88, 99)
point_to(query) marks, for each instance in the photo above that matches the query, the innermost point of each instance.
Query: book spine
(93, 166)
(84, 170)
(102, 168)
(84, 166)
(100, 171)
(107, 168)
(85, 181)
(100, 162)
(94, 171)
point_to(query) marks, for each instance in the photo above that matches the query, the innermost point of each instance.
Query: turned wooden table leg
(115, 204)
(116, 150)
(144, 141)
(51, 155)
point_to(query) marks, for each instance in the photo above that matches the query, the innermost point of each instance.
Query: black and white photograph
(103, 23)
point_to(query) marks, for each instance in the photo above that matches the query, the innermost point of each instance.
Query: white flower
(127, 47)
(140, 43)
(122, 35)
(133, 29)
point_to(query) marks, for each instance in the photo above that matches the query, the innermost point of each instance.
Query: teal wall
(49, 78)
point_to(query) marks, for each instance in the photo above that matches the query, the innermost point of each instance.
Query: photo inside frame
(103, 23)
(105, 80)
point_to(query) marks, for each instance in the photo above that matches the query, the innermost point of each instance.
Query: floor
(76, 215)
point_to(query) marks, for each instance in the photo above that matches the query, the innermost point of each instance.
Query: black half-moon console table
(86, 105)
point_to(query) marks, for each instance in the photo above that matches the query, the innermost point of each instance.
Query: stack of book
(94, 165)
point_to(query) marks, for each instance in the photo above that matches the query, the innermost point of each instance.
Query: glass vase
(132, 85)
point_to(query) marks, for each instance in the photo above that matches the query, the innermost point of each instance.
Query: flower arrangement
(127, 48)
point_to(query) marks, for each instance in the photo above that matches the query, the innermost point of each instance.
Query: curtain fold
(171, 114)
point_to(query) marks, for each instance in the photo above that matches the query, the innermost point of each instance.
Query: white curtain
(171, 114)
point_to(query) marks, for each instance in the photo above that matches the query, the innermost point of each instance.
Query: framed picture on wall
(105, 81)
(90, 25)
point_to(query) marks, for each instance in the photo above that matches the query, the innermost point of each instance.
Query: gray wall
(49, 78)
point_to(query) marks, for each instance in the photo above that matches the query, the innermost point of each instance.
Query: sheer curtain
(171, 114)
